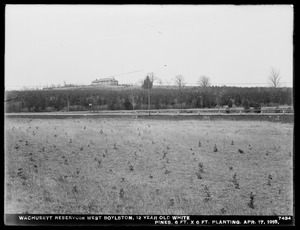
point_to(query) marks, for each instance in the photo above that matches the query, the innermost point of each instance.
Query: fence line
(217, 111)
(178, 112)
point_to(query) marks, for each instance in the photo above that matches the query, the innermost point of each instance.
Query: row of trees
(204, 82)
(181, 97)
(138, 98)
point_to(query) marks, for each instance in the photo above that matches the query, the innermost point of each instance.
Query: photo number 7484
(285, 218)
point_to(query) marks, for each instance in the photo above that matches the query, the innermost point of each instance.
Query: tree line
(138, 98)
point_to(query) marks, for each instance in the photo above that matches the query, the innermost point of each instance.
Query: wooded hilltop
(136, 98)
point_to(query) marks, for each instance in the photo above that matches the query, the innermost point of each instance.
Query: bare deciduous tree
(159, 80)
(140, 82)
(132, 99)
(204, 81)
(152, 77)
(274, 78)
(179, 80)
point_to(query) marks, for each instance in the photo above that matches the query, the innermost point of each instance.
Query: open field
(102, 165)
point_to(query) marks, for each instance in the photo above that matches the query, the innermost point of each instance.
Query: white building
(105, 81)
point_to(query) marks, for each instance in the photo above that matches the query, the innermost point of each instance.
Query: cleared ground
(142, 166)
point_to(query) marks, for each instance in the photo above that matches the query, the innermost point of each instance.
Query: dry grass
(132, 166)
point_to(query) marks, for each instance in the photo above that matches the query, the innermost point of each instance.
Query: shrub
(246, 106)
(77, 108)
(49, 109)
(25, 110)
(257, 107)
(227, 110)
(277, 110)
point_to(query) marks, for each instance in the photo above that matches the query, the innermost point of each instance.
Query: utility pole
(147, 84)
(132, 100)
(149, 98)
(68, 104)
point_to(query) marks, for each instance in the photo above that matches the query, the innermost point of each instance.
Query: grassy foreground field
(140, 166)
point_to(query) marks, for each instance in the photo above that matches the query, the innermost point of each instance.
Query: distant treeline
(137, 98)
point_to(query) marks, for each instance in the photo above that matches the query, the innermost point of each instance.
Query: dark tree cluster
(137, 98)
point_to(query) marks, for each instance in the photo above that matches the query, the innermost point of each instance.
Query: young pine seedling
(215, 148)
(199, 144)
(241, 151)
(208, 197)
(200, 167)
(251, 202)
(235, 182)
(269, 179)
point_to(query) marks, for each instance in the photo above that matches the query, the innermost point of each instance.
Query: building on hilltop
(105, 81)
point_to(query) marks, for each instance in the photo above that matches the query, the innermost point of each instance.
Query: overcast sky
(232, 45)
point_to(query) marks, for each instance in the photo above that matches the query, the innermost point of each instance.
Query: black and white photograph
(149, 114)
